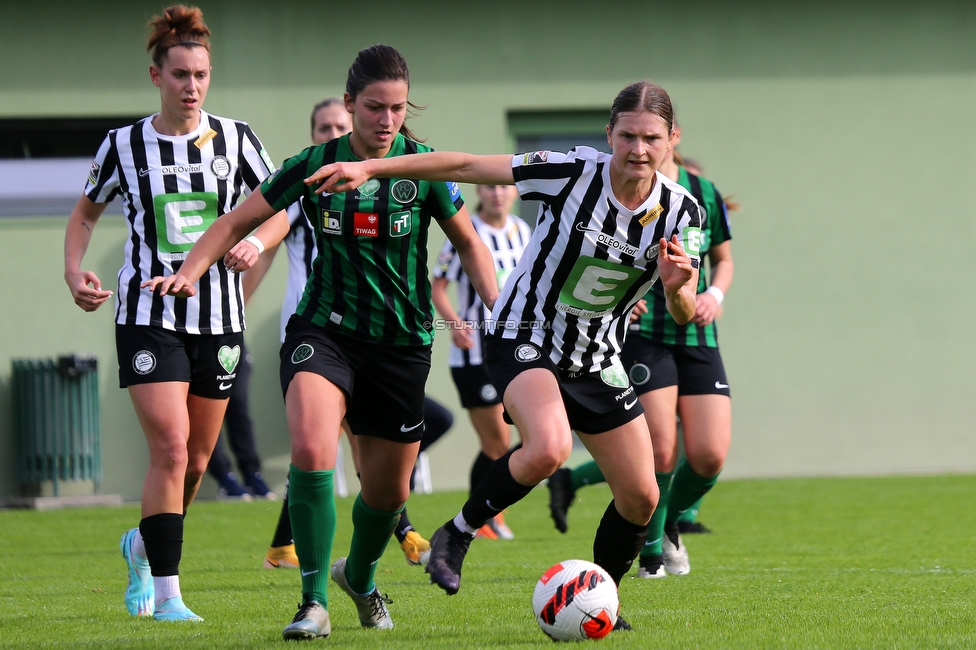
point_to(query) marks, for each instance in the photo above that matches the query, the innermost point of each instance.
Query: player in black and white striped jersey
(506, 236)
(609, 227)
(176, 172)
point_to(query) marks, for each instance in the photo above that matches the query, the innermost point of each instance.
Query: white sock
(463, 526)
(139, 546)
(166, 587)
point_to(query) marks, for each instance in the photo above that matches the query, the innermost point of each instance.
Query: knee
(169, 455)
(664, 459)
(638, 504)
(546, 454)
(309, 456)
(707, 463)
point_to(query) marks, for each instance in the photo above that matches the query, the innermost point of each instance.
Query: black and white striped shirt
(300, 242)
(172, 189)
(506, 245)
(590, 259)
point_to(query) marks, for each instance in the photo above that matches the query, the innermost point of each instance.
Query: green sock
(655, 527)
(686, 490)
(690, 515)
(588, 473)
(371, 532)
(311, 508)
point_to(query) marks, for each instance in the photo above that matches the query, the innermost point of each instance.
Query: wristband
(254, 241)
(717, 293)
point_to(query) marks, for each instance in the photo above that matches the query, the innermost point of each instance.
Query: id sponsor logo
(332, 222)
(401, 223)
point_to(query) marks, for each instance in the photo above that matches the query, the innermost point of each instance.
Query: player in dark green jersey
(675, 368)
(359, 344)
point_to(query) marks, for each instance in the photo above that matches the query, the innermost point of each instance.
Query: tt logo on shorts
(302, 353)
(143, 362)
(527, 352)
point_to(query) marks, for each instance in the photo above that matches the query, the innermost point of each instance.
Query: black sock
(478, 470)
(617, 543)
(163, 537)
(497, 488)
(403, 526)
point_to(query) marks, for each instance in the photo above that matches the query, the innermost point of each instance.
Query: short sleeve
(287, 185)
(542, 175)
(444, 200)
(255, 163)
(103, 179)
(448, 263)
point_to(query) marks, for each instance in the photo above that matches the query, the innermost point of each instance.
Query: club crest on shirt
(652, 252)
(535, 157)
(404, 191)
(220, 167)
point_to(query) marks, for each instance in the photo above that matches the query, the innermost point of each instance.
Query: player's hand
(462, 335)
(86, 289)
(172, 285)
(639, 310)
(242, 257)
(707, 309)
(338, 177)
(674, 264)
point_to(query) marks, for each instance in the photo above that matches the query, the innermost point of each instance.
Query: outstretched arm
(432, 166)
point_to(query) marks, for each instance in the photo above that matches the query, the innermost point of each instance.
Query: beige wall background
(844, 129)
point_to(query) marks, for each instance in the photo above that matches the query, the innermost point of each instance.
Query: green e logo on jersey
(594, 287)
(693, 242)
(182, 218)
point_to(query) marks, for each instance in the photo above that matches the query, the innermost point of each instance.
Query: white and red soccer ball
(575, 600)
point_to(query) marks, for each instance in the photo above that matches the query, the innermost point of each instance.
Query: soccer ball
(575, 600)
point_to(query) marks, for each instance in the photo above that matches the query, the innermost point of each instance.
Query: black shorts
(695, 370)
(474, 386)
(595, 401)
(208, 362)
(384, 384)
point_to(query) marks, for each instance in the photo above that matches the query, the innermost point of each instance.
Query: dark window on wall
(44, 162)
(50, 137)
(555, 131)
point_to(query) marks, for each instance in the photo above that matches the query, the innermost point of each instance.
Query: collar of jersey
(195, 133)
(345, 151)
(648, 203)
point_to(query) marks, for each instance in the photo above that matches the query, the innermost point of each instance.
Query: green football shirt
(370, 278)
(657, 324)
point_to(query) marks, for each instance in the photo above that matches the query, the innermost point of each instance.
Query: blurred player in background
(506, 236)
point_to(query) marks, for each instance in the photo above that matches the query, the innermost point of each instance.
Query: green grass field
(806, 563)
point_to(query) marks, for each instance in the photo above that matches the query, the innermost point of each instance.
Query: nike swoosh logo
(580, 228)
(224, 386)
(405, 429)
(719, 385)
(629, 405)
(488, 503)
(652, 542)
(145, 172)
(308, 573)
